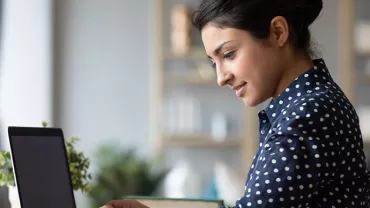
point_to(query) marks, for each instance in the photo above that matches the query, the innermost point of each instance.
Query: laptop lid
(41, 167)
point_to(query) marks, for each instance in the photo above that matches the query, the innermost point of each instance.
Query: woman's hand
(124, 204)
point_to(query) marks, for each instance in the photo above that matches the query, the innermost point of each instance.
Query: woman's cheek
(242, 70)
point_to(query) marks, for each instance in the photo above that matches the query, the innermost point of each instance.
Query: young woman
(311, 149)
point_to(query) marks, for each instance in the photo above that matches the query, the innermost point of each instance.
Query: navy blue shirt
(311, 149)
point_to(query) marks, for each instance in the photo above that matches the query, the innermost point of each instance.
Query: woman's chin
(251, 101)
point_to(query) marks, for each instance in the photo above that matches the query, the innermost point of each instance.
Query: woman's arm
(294, 161)
(282, 176)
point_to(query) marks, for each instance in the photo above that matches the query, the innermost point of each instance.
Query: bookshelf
(353, 79)
(190, 74)
(199, 78)
(200, 141)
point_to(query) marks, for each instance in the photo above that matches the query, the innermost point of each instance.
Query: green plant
(6, 169)
(78, 165)
(123, 173)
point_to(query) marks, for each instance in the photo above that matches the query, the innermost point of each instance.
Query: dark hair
(255, 17)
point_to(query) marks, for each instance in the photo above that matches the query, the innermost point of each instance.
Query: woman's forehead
(213, 36)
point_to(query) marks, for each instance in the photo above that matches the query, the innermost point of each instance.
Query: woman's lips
(240, 89)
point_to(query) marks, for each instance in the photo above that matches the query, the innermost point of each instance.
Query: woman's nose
(223, 79)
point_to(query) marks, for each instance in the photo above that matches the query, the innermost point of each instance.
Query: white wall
(25, 72)
(102, 68)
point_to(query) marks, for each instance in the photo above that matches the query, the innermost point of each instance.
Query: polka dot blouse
(311, 149)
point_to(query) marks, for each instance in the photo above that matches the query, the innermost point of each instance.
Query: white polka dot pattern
(311, 149)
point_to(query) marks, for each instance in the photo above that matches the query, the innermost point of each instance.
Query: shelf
(202, 74)
(195, 54)
(199, 141)
(190, 80)
(363, 52)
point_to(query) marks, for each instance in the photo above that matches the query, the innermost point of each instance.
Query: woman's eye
(213, 64)
(229, 55)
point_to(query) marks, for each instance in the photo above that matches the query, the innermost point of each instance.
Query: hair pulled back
(255, 17)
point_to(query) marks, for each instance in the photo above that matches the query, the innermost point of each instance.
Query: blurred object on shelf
(362, 37)
(181, 29)
(183, 181)
(211, 190)
(364, 116)
(219, 126)
(229, 183)
(183, 114)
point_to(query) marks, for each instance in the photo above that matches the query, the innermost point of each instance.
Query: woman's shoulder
(329, 101)
(313, 96)
(318, 116)
(326, 102)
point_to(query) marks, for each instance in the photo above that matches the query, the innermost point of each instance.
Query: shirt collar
(301, 86)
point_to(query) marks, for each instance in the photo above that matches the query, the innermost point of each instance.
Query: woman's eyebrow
(219, 48)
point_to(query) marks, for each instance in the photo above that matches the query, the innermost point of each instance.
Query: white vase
(14, 197)
(229, 182)
(182, 181)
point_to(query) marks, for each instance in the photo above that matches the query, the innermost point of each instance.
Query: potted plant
(122, 173)
(78, 166)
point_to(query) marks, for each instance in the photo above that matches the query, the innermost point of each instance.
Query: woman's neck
(293, 70)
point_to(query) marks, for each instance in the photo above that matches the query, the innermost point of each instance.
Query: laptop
(41, 167)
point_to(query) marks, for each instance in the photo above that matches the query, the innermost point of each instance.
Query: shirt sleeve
(287, 171)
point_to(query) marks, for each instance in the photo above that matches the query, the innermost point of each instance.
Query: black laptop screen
(42, 172)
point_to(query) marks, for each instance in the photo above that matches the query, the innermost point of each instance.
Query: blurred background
(132, 81)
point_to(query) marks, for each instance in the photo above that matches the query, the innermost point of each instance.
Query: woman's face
(251, 67)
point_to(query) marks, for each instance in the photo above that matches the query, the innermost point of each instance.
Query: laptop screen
(42, 171)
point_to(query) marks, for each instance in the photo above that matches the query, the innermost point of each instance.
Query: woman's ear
(279, 31)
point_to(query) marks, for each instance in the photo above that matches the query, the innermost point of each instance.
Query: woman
(311, 149)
